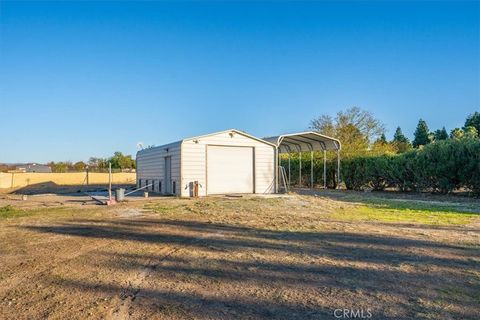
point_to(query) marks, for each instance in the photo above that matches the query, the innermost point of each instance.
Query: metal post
(311, 169)
(87, 176)
(289, 168)
(277, 173)
(110, 181)
(338, 169)
(300, 169)
(279, 160)
(324, 169)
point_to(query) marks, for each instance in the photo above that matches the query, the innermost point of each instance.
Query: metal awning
(304, 141)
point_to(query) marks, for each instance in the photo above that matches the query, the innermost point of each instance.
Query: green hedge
(441, 167)
(306, 169)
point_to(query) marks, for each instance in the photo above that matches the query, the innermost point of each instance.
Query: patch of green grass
(412, 204)
(404, 214)
(11, 212)
(48, 213)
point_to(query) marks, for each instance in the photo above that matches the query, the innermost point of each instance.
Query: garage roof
(232, 131)
(304, 141)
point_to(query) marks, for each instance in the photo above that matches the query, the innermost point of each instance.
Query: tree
(440, 134)
(473, 120)
(363, 120)
(457, 133)
(62, 166)
(98, 163)
(471, 132)
(382, 139)
(421, 134)
(120, 161)
(79, 166)
(325, 125)
(381, 146)
(399, 136)
(400, 141)
(355, 128)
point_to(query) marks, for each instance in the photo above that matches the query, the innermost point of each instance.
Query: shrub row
(441, 167)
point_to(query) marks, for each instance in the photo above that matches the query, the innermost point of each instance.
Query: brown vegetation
(294, 257)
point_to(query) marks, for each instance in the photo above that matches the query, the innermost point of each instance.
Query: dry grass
(297, 257)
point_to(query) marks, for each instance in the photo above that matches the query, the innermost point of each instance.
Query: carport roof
(304, 141)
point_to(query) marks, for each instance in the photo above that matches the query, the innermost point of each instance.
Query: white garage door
(229, 169)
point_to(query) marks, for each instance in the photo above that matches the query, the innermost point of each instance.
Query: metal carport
(304, 142)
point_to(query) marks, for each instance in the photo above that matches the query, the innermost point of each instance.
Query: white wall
(194, 161)
(151, 165)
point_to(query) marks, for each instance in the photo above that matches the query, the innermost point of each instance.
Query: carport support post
(324, 169)
(277, 171)
(289, 169)
(300, 169)
(338, 169)
(311, 169)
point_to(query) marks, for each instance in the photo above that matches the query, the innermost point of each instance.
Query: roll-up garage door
(229, 170)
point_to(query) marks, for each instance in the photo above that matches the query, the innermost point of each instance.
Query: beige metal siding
(194, 161)
(151, 164)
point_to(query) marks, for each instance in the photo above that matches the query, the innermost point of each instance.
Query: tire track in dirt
(131, 294)
(27, 275)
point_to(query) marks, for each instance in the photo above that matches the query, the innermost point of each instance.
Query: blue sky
(89, 78)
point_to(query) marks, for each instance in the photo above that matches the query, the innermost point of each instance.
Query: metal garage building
(229, 161)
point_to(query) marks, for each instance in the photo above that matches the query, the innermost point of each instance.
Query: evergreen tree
(399, 136)
(440, 134)
(421, 134)
(382, 139)
(473, 120)
(401, 143)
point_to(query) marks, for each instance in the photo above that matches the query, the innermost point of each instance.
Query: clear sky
(89, 78)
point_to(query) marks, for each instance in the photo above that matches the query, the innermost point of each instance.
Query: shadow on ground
(280, 274)
(51, 187)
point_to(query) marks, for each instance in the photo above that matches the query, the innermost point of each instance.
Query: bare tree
(357, 129)
(370, 127)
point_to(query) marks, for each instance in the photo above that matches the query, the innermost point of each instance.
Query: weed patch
(11, 212)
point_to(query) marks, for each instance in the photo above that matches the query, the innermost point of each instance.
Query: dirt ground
(290, 257)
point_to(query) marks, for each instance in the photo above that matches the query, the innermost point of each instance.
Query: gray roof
(34, 167)
(304, 141)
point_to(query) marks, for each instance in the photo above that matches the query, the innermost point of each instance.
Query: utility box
(120, 194)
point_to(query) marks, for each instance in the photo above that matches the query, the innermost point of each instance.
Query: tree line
(119, 162)
(436, 161)
(362, 134)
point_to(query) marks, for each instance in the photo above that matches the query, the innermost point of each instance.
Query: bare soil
(230, 258)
